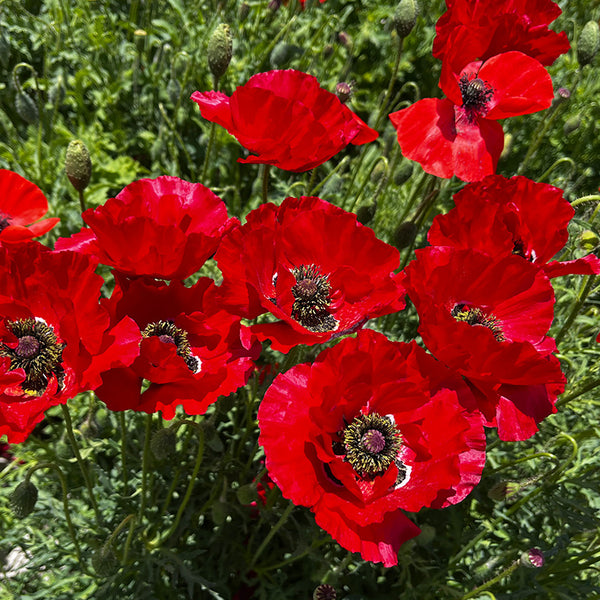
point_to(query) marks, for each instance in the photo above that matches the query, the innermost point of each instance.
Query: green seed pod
(220, 50)
(403, 173)
(27, 108)
(78, 165)
(163, 443)
(324, 592)
(572, 124)
(23, 499)
(404, 235)
(405, 17)
(366, 212)
(588, 43)
(104, 561)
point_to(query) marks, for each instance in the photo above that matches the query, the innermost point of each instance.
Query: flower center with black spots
(4, 221)
(372, 443)
(38, 352)
(167, 332)
(475, 316)
(312, 296)
(476, 93)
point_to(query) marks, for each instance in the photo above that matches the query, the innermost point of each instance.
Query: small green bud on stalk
(23, 499)
(405, 17)
(243, 11)
(403, 173)
(163, 443)
(246, 494)
(588, 240)
(588, 43)
(26, 108)
(78, 165)
(220, 50)
(572, 124)
(104, 561)
(366, 212)
(404, 235)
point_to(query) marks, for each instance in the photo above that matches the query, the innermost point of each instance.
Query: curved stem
(145, 460)
(284, 517)
(583, 294)
(388, 93)
(505, 573)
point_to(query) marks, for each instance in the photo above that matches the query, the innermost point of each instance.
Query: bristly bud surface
(220, 50)
(588, 43)
(23, 499)
(405, 17)
(78, 165)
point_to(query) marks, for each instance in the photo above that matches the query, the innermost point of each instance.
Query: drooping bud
(503, 490)
(246, 494)
(366, 212)
(104, 561)
(220, 50)
(23, 499)
(243, 11)
(405, 17)
(78, 165)
(533, 558)
(26, 108)
(404, 235)
(324, 592)
(572, 124)
(343, 91)
(163, 443)
(403, 173)
(344, 39)
(588, 43)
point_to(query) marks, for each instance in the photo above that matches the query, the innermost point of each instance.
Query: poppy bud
(533, 557)
(327, 50)
(220, 50)
(283, 53)
(78, 165)
(403, 173)
(571, 124)
(588, 43)
(343, 91)
(163, 443)
(104, 561)
(378, 172)
(246, 494)
(404, 235)
(23, 499)
(26, 108)
(405, 17)
(324, 592)
(243, 11)
(344, 39)
(503, 490)
(366, 213)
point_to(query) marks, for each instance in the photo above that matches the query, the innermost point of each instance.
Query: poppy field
(298, 299)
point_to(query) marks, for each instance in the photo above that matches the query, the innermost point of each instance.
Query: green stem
(284, 517)
(592, 198)
(145, 461)
(65, 499)
(560, 161)
(586, 387)
(81, 201)
(265, 183)
(81, 462)
(123, 450)
(211, 141)
(488, 584)
(576, 308)
(386, 98)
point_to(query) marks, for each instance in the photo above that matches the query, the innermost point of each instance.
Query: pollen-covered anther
(476, 316)
(169, 333)
(476, 93)
(312, 297)
(372, 443)
(38, 352)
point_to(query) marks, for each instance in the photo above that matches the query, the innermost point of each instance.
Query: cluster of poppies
(371, 426)
(493, 56)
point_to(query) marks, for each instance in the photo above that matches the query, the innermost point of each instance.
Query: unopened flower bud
(572, 124)
(324, 592)
(403, 173)
(533, 558)
(344, 39)
(104, 561)
(404, 235)
(220, 50)
(246, 494)
(588, 43)
(243, 11)
(588, 240)
(366, 212)
(23, 499)
(343, 91)
(26, 108)
(503, 490)
(405, 17)
(327, 50)
(163, 443)
(78, 165)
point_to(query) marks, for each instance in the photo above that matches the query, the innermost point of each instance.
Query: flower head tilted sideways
(500, 217)
(22, 205)
(371, 428)
(460, 135)
(164, 227)
(55, 338)
(191, 351)
(488, 318)
(479, 29)
(286, 118)
(313, 267)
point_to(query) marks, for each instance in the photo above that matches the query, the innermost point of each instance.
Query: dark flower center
(167, 332)
(311, 299)
(476, 93)
(372, 443)
(475, 316)
(4, 221)
(38, 352)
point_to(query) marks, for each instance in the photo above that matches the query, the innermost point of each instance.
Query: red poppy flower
(477, 30)
(487, 319)
(22, 204)
(286, 118)
(299, 262)
(459, 135)
(55, 338)
(191, 351)
(164, 227)
(501, 216)
(371, 427)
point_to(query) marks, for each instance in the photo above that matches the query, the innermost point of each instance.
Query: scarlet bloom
(299, 262)
(286, 118)
(22, 204)
(487, 318)
(459, 135)
(191, 351)
(477, 30)
(501, 216)
(55, 338)
(370, 428)
(164, 227)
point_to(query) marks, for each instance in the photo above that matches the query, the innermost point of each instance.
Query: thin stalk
(211, 141)
(123, 450)
(284, 517)
(145, 461)
(488, 584)
(560, 161)
(81, 462)
(575, 308)
(81, 201)
(590, 385)
(388, 93)
(265, 183)
(592, 198)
